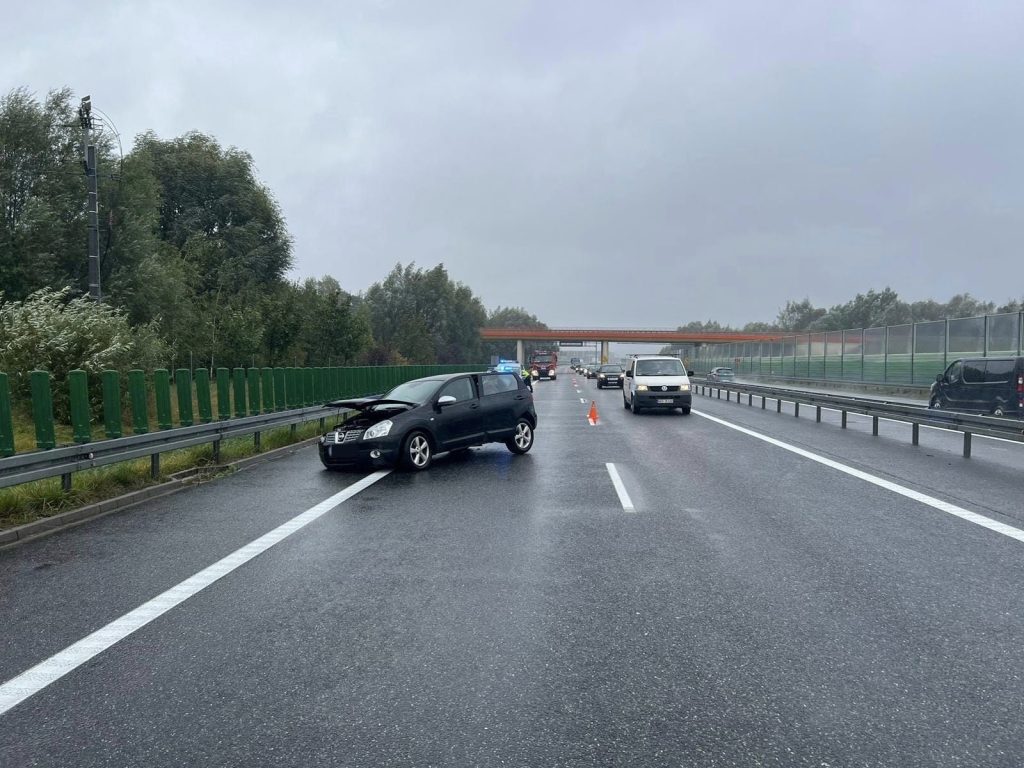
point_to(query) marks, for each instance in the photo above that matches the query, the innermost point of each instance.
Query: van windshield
(659, 368)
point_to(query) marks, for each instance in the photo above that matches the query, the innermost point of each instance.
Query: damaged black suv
(421, 418)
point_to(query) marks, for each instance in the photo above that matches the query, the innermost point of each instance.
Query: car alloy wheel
(417, 452)
(999, 410)
(522, 440)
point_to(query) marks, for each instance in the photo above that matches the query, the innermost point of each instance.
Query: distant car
(421, 418)
(721, 374)
(609, 375)
(592, 371)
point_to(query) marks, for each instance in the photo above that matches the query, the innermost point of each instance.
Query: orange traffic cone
(592, 416)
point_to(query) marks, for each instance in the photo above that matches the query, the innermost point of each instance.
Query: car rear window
(494, 384)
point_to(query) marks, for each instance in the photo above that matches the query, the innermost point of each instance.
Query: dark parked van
(989, 385)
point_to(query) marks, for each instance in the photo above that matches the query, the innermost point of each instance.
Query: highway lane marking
(30, 682)
(931, 501)
(627, 503)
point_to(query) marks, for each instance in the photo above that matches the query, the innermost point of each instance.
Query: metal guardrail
(66, 460)
(915, 415)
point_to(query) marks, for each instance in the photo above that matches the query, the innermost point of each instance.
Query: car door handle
(474, 406)
(520, 397)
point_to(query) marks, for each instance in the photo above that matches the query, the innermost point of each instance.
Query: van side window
(953, 373)
(999, 371)
(974, 371)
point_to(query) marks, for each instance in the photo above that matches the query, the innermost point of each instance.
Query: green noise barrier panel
(112, 404)
(78, 391)
(42, 409)
(162, 387)
(6, 421)
(140, 404)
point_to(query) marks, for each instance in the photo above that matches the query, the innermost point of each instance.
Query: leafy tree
(513, 317)
(424, 317)
(798, 315)
(215, 213)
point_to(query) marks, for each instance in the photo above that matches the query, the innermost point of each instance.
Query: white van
(656, 381)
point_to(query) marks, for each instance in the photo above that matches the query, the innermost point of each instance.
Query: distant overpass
(604, 336)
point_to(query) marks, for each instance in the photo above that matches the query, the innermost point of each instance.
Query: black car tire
(999, 410)
(522, 440)
(686, 410)
(624, 403)
(935, 402)
(417, 453)
(634, 407)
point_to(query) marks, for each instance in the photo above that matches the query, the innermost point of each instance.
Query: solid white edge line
(931, 501)
(33, 680)
(620, 489)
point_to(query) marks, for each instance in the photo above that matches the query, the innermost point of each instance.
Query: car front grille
(655, 388)
(337, 438)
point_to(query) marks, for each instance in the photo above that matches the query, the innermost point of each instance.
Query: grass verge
(24, 503)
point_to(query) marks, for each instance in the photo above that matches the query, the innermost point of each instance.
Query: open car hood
(362, 403)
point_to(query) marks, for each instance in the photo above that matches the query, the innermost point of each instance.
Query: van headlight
(641, 387)
(684, 388)
(380, 429)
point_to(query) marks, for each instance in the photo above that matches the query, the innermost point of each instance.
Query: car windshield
(725, 371)
(669, 367)
(417, 391)
(611, 369)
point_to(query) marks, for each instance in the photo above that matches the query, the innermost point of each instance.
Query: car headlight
(600, 375)
(380, 429)
(684, 388)
(641, 387)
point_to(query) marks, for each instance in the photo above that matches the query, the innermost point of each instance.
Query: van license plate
(665, 402)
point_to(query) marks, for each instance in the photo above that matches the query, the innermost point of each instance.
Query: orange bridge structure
(604, 336)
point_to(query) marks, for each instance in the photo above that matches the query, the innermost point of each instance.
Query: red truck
(543, 364)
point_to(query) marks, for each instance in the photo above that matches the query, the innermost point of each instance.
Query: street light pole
(92, 197)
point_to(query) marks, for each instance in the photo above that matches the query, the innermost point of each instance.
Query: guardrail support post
(65, 483)
(874, 426)
(719, 391)
(216, 451)
(967, 445)
(750, 399)
(778, 405)
(256, 441)
(154, 466)
(817, 413)
(915, 431)
(843, 422)
(763, 401)
(796, 410)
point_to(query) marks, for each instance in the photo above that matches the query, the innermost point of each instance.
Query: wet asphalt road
(757, 608)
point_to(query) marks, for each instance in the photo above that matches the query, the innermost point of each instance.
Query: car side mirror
(940, 377)
(629, 374)
(691, 373)
(445, 400)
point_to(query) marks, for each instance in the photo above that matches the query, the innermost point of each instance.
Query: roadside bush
(51, 331)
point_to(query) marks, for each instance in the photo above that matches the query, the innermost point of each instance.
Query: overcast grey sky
(598, 163)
